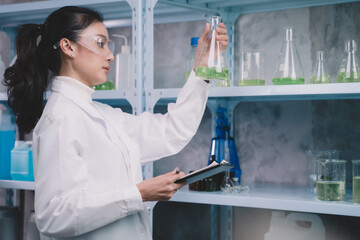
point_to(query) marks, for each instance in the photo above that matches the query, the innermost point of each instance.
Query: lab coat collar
(72, 88)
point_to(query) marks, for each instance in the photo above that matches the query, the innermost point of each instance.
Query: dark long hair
(38, 57)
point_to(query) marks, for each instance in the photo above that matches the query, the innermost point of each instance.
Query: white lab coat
(88, 156)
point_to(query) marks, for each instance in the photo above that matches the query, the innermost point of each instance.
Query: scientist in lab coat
(87, 155)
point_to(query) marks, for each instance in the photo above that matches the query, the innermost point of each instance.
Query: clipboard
(210, 170)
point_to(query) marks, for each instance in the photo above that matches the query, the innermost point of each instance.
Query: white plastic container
(123, 76)
(21, 162)
(295, 226)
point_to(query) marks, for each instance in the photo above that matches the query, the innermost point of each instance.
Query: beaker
(252, 68)
(330, 179)
(311, 167)
(349, 70)
(356, 180)
(320, 73)
(212, 63)
(288, 68)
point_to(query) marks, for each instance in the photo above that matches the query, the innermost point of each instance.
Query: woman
(87, 155)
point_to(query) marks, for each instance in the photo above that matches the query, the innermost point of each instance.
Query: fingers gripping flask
(349, 70)
(288, 68)
(212, 63)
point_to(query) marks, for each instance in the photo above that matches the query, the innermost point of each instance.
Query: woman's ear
(67, 47)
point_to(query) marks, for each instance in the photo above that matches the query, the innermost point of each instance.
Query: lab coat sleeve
(161, 135)
(64, 206)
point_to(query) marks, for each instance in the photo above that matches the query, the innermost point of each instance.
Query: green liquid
(288, 81)
(108, 85)
(356, 189)
(211, 73)
(252, 82)
(330, 190)
(187, 74)
(341, 77)
(325, 79)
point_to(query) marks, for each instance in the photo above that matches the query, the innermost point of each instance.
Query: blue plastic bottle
(7, 140)
(218, 145)
(21, 162)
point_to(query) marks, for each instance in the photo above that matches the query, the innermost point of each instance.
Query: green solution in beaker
(356, 189)
(325, 79)
(288, 81)
(330, 190)
(252, 82)
(341, 77)
(211, 73)
(108, 85)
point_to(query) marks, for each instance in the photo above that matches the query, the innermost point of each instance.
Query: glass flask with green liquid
(212, 63)
(320, 73)
(108, 85)
(349, 70)
(252, 68)
(288, 68)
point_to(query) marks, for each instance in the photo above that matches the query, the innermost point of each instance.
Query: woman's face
(94, 54)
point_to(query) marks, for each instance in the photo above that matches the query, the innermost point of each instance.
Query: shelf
(36, 12)
(23, 185)
(287, 198)
(274, 93)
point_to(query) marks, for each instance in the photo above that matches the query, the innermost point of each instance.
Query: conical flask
(349, 70)
(213, 63)
(320, 73)
(288, 68)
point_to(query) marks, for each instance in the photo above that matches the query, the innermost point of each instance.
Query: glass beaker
(213, 63)
(288, 68)
(356, 180)
(349, 70)
(330, 179)
(311, 167)
(252, 68)
(320, 73)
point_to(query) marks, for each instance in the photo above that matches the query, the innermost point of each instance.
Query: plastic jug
(21, 162)
(7, 140)
(295, 226)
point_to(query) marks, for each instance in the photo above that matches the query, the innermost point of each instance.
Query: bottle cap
(194, 41)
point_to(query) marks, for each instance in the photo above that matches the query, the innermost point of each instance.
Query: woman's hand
(204, 41)
(161, 187)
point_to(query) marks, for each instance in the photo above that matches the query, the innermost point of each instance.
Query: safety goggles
(98, 44)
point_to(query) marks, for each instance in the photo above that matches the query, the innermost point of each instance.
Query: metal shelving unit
(142, 15)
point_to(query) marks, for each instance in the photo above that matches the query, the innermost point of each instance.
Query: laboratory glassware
(356, 180)
(7, 141)
(223, 143)
(311, 167)
(212, 63)
(190, 59)
(349, 70)
(252, 68)
(288, 68)
(320, 73)
(330, 179)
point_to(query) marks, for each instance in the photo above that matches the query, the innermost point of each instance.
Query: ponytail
(27, 79)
